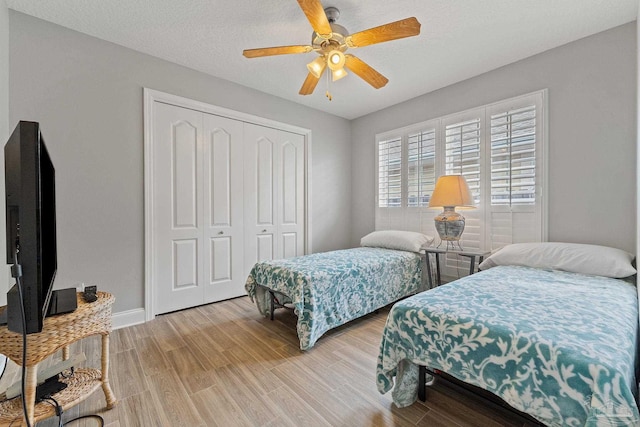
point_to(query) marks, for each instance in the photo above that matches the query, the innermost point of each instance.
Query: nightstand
(472, 254)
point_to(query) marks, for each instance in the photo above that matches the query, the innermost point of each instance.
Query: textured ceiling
(459, 39)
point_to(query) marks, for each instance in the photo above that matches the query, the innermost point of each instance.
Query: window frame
(538, 98)
(403, 135)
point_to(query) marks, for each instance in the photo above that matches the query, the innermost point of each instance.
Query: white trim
(150, 97)
(179, 101)
(127, 318)
(544, 201)
(308, 249)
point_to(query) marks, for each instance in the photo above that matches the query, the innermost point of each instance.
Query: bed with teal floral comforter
(558, 346)
(329, 289)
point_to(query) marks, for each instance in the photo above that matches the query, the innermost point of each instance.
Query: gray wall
(87, 95)
(4, 134)
(592, 134)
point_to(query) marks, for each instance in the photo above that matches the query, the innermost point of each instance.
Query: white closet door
(260, 194)
(274, 194)
(225, 194)
(178, 218)
(223, 208)
(291, 211)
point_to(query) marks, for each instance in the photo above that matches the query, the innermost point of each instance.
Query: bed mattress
(558, 346)
(329, 289)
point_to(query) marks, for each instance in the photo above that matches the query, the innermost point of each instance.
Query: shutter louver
(390, 173)
(462, 153)
(513, 157)
(421, 167)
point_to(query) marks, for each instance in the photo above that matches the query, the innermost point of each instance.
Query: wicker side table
(58, 333)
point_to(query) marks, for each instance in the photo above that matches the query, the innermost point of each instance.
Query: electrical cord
(3, 365)
(53, 402)
(16, 271)
(57, 406)
(84, 417)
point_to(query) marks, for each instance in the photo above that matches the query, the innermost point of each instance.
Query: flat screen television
(31, 224)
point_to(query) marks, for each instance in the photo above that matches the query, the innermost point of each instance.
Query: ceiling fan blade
(365, 72)
(384, 33)
(276, 50)
(309, 84)
(316, 16)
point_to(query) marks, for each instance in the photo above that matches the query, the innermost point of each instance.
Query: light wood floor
(225, 365)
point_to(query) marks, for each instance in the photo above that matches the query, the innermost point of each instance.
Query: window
(499, 149)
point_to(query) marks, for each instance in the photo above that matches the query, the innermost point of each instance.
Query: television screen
(31, 223)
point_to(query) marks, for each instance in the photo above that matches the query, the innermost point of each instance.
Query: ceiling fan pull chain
(328, 94)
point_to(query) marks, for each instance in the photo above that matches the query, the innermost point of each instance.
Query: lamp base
(449, 225)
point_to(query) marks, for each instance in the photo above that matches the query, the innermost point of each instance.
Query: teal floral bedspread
(329, 289)
(558, 346)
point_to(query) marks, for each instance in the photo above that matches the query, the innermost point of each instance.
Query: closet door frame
(152, 96)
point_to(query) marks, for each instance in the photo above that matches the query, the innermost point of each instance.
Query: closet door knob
(220, 232)
(264, 231)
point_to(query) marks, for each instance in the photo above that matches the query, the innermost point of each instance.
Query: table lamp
(450, 191)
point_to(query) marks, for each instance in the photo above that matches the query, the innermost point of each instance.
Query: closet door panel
(260, 194)
(178, 211)
(291, 176)
(222, 259)
(184, 171)
(265, 184)
(223, 208)
(265, 247)
(290, 245)
(220, 176)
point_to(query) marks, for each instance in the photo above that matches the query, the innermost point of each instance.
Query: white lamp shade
(451, 190)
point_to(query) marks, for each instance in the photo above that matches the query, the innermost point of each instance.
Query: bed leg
(422, 383)
(273, 303)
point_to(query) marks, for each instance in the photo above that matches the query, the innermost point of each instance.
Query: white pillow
(395, 239)
(574, 257)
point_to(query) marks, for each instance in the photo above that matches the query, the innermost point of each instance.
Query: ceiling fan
(331, 41)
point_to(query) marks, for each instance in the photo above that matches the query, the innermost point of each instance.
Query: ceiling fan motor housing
(337, 40)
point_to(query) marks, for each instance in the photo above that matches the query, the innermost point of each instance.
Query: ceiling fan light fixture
(330, 40)
(316, 67)
(335, 60)
(338, 74)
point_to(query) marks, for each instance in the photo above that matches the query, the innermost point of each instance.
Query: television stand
(59, 333)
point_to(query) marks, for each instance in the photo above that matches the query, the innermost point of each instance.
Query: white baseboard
(128, 318)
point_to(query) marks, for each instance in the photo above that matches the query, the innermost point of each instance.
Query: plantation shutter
(462, 145)
(462, 153)
(499, 148)
(390, 173)
(514, 153)
(513, 157)
(421, 167)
